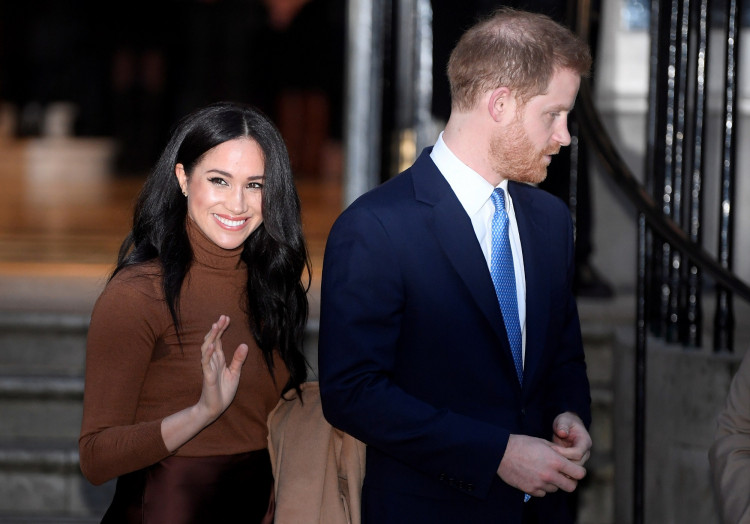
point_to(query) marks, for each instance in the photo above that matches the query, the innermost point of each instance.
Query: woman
(199, 330)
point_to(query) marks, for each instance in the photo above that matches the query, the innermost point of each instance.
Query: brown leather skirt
(195, 490)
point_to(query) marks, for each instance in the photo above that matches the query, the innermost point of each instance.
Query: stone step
(42, 343)
(42, 482)
(42, 357)
(36, 408)
(53, 519)
(40, 478)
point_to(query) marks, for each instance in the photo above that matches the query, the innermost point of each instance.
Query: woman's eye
(255, 185)
(218, 181)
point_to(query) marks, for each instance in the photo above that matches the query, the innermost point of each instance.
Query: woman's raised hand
(219, 386)
(219, 380)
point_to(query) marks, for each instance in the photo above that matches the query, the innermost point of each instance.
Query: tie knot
(498, 198)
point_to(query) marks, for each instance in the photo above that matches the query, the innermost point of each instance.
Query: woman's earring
(184, 193)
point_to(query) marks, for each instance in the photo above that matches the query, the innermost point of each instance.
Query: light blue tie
(504, 278)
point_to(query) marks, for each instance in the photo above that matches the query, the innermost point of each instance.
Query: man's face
(523, 149)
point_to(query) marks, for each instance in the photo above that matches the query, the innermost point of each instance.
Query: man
(415, 348)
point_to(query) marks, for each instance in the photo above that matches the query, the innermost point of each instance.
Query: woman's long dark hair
(275, 253)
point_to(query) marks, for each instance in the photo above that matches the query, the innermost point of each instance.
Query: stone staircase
(41, 392)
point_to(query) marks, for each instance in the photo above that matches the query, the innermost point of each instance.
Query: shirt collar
(471, 189)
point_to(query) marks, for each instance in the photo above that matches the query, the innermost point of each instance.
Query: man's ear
(499, 104)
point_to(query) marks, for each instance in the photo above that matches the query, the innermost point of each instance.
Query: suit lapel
(455, 234)
(533, 239)
(453, 229)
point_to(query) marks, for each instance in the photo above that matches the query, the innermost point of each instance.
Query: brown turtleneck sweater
(137, 373)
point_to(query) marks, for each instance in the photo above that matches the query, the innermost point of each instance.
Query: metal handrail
(598, 138)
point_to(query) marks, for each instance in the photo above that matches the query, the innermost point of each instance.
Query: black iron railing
(671, 258)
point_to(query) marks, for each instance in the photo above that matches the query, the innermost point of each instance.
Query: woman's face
(224, 191)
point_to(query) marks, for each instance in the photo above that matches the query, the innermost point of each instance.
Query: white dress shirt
(473, 192)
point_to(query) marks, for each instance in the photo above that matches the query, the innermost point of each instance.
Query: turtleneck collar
(206, 253)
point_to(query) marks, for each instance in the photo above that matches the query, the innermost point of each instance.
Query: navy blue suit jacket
(414, 359)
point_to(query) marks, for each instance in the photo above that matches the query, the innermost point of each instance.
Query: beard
(513, 156)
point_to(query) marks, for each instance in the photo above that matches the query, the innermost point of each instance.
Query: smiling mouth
(230, 223)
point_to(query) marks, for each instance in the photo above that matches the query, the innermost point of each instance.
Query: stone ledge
(41, 387)
(18, 320)
(62, 457)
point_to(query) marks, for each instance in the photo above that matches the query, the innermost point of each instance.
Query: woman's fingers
(240, 354)
(211, 355)
(213, 337)
(217, 329)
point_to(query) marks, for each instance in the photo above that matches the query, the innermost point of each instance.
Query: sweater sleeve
(125, 325)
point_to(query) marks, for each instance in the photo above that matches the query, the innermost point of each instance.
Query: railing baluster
(639, 429)
(693, 318)
(646, 264)
(654, 170)
(678, 164)
(724, 318)
(667, 188)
